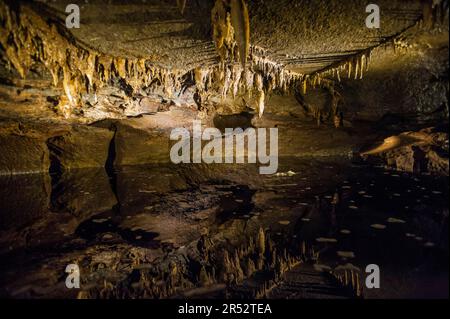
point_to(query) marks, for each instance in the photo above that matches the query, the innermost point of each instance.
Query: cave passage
(99, 100)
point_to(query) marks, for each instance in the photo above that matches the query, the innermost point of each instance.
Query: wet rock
(81, 147)
(425, 151)
(22, 151)
(137, 193)
(135, 145)
(16, 211)
(83, 192)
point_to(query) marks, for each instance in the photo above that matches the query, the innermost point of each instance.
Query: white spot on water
(378, 226)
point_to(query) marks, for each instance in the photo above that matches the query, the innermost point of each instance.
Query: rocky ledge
(424, 151)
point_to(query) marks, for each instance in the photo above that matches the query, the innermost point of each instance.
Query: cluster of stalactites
(357, 65)
(434, 12)
(353, 68)
(27, 38)
(257, 79)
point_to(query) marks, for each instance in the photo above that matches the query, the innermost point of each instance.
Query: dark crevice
(55, 170)
(109, 167)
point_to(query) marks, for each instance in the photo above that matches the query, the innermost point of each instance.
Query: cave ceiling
(212, 53)
(303, 36)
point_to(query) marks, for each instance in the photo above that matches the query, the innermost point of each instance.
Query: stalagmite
(260, 262)
(250, 267)
(273, 258)
(239, 271)
(270, 244)
(261, 242)
(303, 249)
(203, 277)
(226, 261)
(358, 286)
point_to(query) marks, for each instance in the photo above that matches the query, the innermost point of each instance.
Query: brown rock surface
(425, 151)
(22, 149)
(81, 147)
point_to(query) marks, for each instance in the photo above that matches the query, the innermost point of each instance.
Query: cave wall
(411, 82)
(407, 76)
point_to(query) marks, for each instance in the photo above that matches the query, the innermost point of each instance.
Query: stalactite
(83, 70)
(199, 77)
(362, 65)
(349, 66)
(241, 26)
(181, 5)
(261, 103)
(356, 67)
(223, 35)
(258, 81)
(237, 74)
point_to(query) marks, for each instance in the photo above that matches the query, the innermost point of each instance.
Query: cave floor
(153, 213)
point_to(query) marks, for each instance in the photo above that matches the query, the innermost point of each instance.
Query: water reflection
(23, 199)
(353, 215)
(82, 192)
